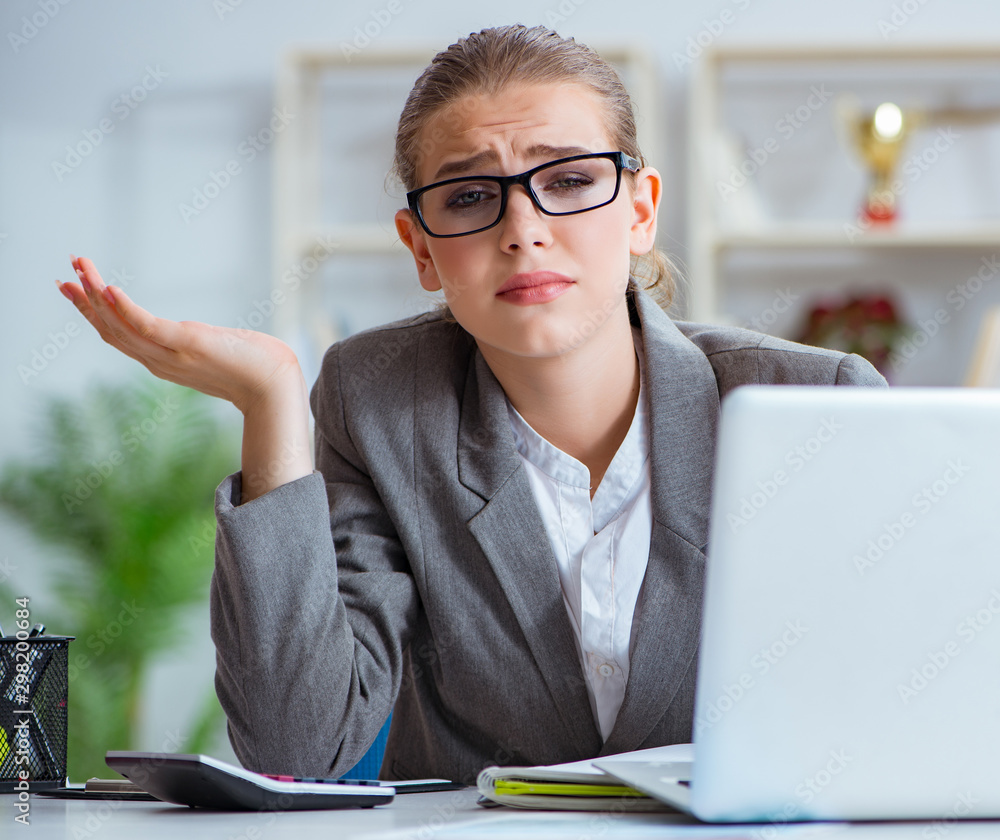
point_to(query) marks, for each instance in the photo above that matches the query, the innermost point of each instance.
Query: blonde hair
(484, 63)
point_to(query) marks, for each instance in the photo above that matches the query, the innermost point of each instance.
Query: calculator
(200, 781)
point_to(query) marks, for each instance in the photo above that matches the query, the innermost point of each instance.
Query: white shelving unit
(301, 228)
(921, 75)
(326, 92)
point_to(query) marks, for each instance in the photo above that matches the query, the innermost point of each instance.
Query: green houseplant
(122, 483)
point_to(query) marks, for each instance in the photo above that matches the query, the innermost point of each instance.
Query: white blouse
(601, 546)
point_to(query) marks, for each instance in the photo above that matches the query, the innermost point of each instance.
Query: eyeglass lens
(564, 187)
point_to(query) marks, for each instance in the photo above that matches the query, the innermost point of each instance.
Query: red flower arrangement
(868, 325)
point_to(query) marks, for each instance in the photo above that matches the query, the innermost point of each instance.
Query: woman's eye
(466, 198)
(568, 181)
(470, 196)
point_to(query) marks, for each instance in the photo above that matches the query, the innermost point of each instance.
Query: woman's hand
(238, 365)
(256, 372)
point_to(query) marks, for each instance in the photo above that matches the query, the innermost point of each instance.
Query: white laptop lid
(850, 657)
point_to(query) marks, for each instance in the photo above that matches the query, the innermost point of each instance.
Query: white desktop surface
(447, 815)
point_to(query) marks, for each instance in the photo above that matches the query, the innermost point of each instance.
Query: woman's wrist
(277, 446)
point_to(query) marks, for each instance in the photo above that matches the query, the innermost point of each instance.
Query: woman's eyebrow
(460, 167)
(556, 152)
(488, 156)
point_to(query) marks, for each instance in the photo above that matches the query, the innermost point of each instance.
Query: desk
(448, 815)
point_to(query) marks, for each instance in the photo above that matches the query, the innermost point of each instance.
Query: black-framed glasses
(460, 206)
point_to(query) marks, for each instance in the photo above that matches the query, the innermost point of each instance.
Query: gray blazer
(412, 570)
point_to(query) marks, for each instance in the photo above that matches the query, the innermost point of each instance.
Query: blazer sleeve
(743, 357)
(312, 606)
(856, 370)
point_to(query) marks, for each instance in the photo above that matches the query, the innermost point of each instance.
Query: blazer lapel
(510, 533)
(684, 405)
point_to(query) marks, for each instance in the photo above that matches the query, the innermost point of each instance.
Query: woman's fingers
(166, 348)
(236, 365)
(97, 291)
(159, 331)
(93, 285)
(65, 292)
(100, 307)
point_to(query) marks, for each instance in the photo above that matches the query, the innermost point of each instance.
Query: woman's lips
(536, 287)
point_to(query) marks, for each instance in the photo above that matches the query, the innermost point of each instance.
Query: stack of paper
(579, 785)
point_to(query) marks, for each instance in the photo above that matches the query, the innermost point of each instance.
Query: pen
(37, 630)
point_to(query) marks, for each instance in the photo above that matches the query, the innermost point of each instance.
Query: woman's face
(576, 267)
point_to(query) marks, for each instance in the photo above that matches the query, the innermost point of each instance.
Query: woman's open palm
(237, 365)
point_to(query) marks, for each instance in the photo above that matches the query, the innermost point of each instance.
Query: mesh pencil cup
(34, 689)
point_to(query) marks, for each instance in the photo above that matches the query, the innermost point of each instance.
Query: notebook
(577, 785)
(850, 658)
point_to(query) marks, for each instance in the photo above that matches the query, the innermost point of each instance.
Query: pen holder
(34, 689)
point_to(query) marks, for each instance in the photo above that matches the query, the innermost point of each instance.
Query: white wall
(213, 86)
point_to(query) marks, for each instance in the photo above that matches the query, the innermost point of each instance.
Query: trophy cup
(880, 138)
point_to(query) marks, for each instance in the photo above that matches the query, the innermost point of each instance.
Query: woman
(504, 540)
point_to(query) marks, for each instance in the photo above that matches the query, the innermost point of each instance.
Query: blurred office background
(148, 137)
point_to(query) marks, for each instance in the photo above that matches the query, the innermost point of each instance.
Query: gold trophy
(879, 137)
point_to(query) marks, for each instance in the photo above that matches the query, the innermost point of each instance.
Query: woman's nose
(523, 223)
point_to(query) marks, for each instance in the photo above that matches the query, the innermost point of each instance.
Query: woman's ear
(412, 234)
(645, 204)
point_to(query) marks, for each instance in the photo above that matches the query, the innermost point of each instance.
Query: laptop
(849, 666)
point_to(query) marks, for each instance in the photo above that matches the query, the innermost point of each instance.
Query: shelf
(759, 104)
(830, 236)
(346, 239)
(786, 53)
